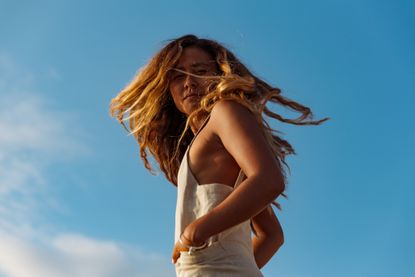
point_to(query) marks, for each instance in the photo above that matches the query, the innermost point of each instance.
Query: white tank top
(195, 200)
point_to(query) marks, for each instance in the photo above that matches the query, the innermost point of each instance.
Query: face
(187, 90)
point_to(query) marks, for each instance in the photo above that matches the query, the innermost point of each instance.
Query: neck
(197, 123)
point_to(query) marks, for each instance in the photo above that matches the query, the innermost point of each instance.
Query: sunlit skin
(186, 89)
(231, 140)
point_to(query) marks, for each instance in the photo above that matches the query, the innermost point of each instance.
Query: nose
(189, 82)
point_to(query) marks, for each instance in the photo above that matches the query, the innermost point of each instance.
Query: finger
(175, 257)
(175, 254)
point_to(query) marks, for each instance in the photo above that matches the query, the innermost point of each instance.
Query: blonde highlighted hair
(162, 130)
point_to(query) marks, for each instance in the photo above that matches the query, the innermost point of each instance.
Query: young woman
(199, 112)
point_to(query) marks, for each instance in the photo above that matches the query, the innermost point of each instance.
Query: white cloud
(32, 137)
(69, 255)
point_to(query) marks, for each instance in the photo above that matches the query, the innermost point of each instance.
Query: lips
(191, 95)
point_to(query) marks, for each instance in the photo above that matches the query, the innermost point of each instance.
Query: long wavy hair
(163, 131)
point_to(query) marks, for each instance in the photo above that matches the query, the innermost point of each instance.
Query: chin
(191, 107)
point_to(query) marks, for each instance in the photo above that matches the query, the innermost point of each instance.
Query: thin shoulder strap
(200, 129)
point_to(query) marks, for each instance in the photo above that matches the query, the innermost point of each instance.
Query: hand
(178, 247)
(176, 251)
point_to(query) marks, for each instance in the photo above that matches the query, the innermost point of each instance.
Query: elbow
(278, 243)
(273, 185)
(276, 240)
(280, 240)
(277, 188)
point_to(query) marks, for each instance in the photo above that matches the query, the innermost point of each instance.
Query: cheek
(204, 83)
(172, 90)
(175, 95)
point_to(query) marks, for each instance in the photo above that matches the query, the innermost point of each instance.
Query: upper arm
(242, 137)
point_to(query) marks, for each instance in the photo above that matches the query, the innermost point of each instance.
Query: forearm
(268, 236)
(264, 249)
(247, 200)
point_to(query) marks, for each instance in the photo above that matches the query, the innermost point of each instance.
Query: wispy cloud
(32, 137)
(69, 255)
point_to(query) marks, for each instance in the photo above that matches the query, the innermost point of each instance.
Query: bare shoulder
(227, 113)
(226, 107)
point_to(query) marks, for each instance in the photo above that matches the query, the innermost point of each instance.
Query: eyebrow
(196, 64)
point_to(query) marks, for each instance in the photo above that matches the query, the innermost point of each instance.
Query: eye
(177, 76)
(201, 72)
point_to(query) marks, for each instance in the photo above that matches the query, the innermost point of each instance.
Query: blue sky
(75, 197)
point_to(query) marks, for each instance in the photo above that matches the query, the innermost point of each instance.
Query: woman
(199, 111)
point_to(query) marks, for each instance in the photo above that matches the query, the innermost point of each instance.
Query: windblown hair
(160, 128)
